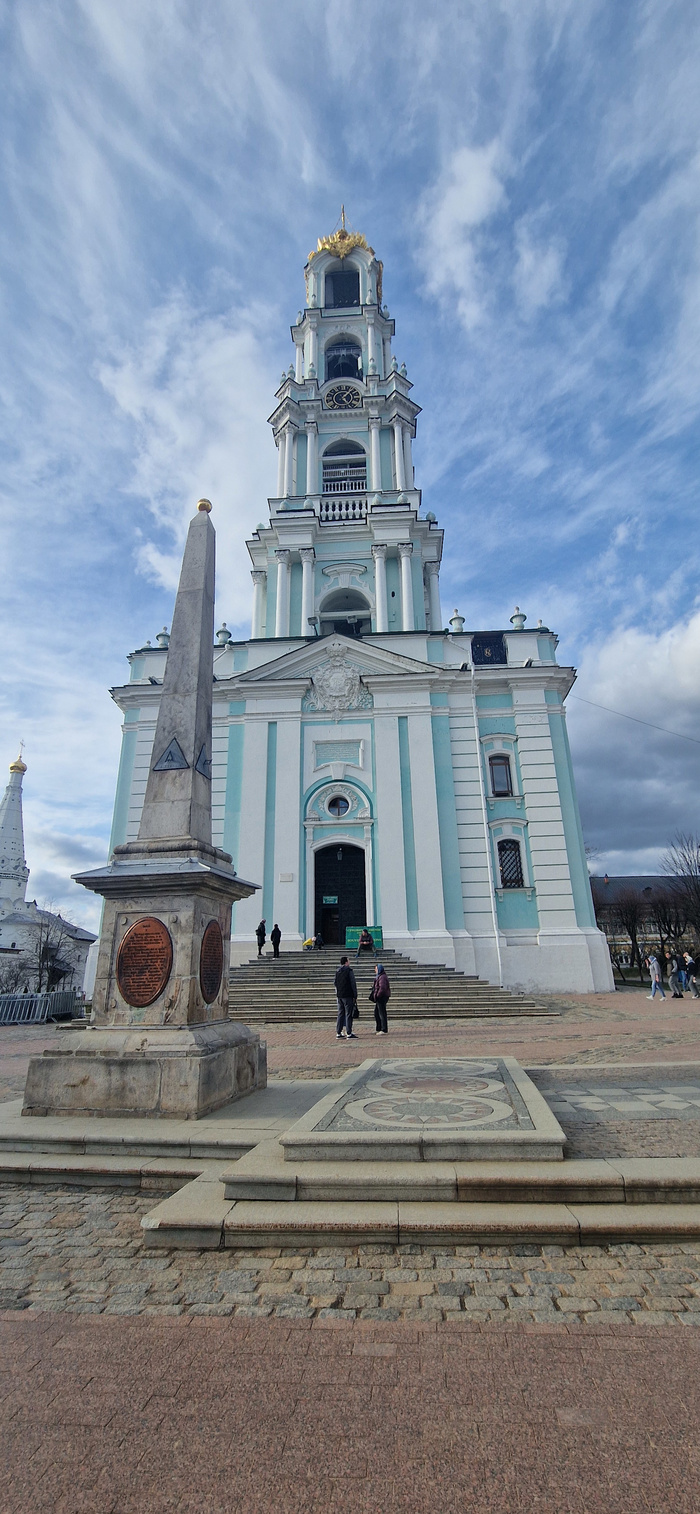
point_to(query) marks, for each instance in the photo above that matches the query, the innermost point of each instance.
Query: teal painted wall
(301, 487)
(502, 701)
(447, 820)
(573, 834)
(385, 457)
(497, 725)
(295, 600)
(545, 649)
(268, 894)
(137, 666)
(418, 591)
(436, 650)
(392, 586)
(234, 779)
(515, 911)
(240, 659)
(409, 846)
(126, 770)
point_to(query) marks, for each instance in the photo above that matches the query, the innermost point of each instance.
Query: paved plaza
(401, 1378)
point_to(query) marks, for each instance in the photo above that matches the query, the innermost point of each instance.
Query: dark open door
(340, 891)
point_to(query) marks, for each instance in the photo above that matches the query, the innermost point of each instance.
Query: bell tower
(343, 426)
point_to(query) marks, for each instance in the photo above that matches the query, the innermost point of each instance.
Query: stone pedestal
(177, 1072)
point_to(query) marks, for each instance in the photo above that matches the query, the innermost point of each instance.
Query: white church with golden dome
(374, 763)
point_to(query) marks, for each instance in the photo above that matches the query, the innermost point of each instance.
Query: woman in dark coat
(380, 993)
(260, 935)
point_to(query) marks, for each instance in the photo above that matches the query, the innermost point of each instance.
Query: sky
(529, 175)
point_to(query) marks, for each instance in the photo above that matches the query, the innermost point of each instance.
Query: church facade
(371, 765)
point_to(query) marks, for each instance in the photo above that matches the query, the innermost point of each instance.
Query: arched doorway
(339, 893)
(347, 612)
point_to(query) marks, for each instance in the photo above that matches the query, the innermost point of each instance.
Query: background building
(370, 765)
(39, 950)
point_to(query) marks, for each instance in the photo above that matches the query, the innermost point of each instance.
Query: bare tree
(13, 973)
(628, 915)
(50, 954)
(682, 866)
(667, 911)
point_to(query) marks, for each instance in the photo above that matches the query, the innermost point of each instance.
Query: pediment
(304, 662)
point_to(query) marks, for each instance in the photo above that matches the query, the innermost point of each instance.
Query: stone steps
(298, 988)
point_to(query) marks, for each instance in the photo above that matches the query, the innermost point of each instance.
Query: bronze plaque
(211, 961)
(144, 961)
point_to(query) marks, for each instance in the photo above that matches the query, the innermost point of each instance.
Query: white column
(405, 550)
(407, 458)
(259, 580)
(375, 459)
(313, 349)
(432, 570)
(281, 444)
(398, 455)
(311, 458)
(371, 343)
(391, 904)
(307, 556)
(288, 460)
(299, 374)
(380, 601)
(283, 556)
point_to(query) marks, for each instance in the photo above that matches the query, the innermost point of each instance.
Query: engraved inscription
(211, 961)
(144, 962)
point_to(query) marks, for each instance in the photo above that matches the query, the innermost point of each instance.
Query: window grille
(501, 778)
(488, 649)
(344, 360)
(510, 864)
(342, 290)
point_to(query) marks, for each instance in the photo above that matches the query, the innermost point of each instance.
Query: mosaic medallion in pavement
(458, 1093)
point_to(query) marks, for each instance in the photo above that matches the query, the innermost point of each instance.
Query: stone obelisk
(160, 1042)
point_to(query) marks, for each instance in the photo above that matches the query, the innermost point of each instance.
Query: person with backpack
(346, 994)
(380, 993)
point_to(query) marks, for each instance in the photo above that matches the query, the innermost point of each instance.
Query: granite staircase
(297, 988)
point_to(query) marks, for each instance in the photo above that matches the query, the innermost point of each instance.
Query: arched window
(346, 612)
(344, 360)
(510, 864)
(344, 468)
(501, 777)
(342, 289)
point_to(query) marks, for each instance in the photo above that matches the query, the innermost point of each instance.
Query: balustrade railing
(349, 507)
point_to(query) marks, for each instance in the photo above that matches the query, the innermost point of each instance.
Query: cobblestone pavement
(81, 1252)
(242, 1416)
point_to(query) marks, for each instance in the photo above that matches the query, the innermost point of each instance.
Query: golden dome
(18, 766)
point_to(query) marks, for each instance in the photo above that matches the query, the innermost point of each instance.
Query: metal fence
(32, 1009)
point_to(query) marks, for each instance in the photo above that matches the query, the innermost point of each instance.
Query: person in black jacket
(260, 935)
(346, 991)
(276, 937)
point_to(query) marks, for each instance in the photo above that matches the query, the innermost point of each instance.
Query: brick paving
(241, 1416)
(81, 1252)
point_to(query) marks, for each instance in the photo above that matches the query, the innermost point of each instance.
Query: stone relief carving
(337, 686)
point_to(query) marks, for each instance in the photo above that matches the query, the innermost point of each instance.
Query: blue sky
(529, 175)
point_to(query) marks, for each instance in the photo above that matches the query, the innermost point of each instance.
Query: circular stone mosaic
(425, 1111)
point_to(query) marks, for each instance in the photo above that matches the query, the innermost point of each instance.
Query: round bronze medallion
(144, 962)
(211, 961)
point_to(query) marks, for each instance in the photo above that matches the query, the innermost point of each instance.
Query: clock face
(343, 397)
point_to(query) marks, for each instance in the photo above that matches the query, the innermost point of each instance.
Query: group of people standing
(346, 994)
(680, 969)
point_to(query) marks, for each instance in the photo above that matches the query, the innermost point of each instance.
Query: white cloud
(537, 276)
(469, 191)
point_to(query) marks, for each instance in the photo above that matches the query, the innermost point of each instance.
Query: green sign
(330, 898)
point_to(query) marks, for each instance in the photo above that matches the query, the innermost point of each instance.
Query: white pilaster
(405, 551)
(432, 571)
(407, 458)
(375, 460)
(281, 444)
(431, 907)
(251, 837)
(259, 578)
(307, 556)
(311, 458)
(299, 372)
(288, 460)
(390, 859)
(283, 556)
(313, 348)
(381, 608)
(371, 341)
(399, 459)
